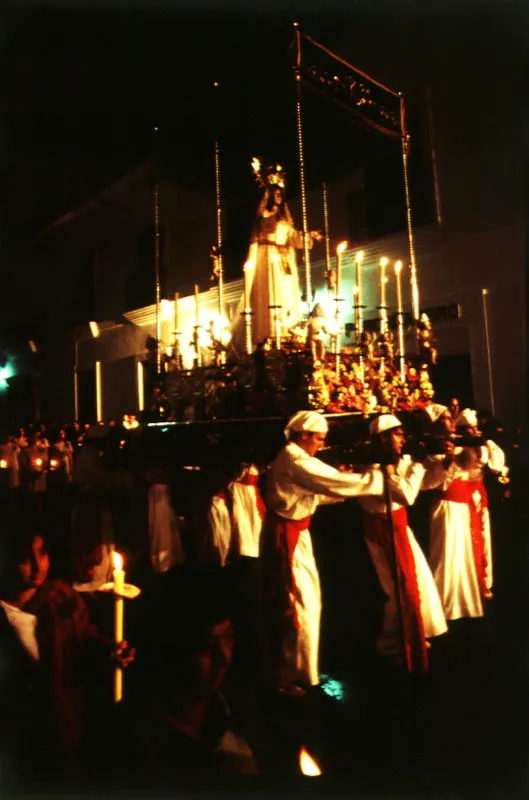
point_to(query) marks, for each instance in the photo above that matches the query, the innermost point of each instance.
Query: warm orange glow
(307, 764)
(94, 328)
(398, 266)
(117, 560)
(341, 247)
(54, 463)
(3, 463)
(383, 261)
(359, 256)
(247, 267)
(38, 462)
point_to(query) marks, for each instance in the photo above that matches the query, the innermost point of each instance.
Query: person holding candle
(178, 724)
(50, 653)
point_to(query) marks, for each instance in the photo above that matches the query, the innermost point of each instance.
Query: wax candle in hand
(119, 586)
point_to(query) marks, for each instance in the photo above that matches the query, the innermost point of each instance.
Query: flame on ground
(307, 764)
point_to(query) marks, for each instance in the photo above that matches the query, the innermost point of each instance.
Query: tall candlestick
(326, 229)
(119, 586)
(383, 307)
(247, 308)
(246, 269)
(359, 310)
(276, 321)
(359, 322)
(400, 320)
(197, 306)
(176, 300)
(339, 250)
(338, 298)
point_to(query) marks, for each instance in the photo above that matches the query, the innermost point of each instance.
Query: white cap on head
(383, 423)
(467, 417)
(435, 410)
(309, 421)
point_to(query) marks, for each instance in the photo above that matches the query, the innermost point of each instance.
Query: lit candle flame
(38, 462)
(359, 256)
(398, 266)
(383, 261)
(117, 560)
(341, 247)
(3, 464)
(307, 764)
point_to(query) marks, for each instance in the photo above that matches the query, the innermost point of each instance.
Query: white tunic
(245, 522)
(493, 457)
(297, 484)
(451, 555)
(247, 517)
(24, 626)
(405, 484)
(166, 549)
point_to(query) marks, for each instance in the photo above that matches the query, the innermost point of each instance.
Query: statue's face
(278, 197)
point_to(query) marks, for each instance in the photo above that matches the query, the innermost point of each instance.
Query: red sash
(251, 480)
(460, 491)
(377, 530)
(457, 492)
(285, 535)
(477, 530)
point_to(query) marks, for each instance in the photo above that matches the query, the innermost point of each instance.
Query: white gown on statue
(272, 278)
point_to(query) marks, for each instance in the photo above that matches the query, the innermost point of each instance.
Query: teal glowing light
(5, 373)
(333, 688)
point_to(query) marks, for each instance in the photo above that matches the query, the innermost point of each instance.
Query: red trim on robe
(376, 529)
(460, 491)
(286, 533)
(251, 480)
(477, 530)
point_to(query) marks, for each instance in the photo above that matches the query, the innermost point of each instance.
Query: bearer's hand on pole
(449, 451)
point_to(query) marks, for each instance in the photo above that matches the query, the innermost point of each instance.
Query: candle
(197, 306)
(400, 320)
(383, 281)
(119, 586)
(246, 270)
(339, 250)
(358, 262)
(274, 309)
(176, 299)
(398, 268)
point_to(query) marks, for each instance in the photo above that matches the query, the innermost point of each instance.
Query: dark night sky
(87, 82)
(85, 87)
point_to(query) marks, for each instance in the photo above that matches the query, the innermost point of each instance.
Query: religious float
(282, 351)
